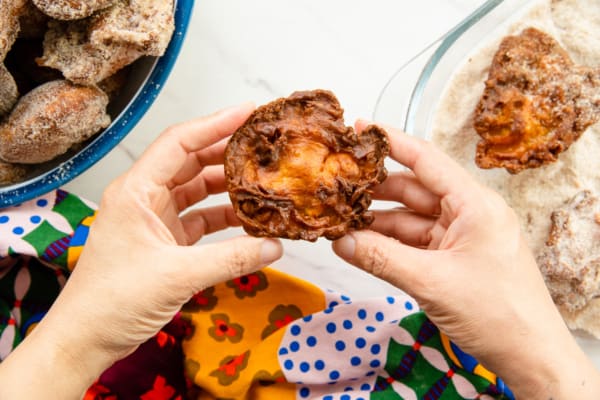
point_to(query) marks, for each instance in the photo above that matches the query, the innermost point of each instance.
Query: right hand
(457, 248)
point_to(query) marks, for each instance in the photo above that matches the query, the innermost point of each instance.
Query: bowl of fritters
(75, 78)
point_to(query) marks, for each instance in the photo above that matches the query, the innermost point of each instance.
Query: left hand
(139, 266)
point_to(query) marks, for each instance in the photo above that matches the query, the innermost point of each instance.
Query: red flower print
(223, 329)
(204, 300)
(248, 285)
(160, 390)
(99, 392)
(230, 368)
(279, 317)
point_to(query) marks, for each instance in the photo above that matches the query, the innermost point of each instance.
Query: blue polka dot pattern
(360, 343)
(408, 305)
(35, 219)
(304, 392)
(345, 298)
(331, 327)
(4, 219)
(345, 343)
(304, 366)
(283, 351)
(328, 397)
(345, 397)
(18, 230)
(42, 203)
(375, 349)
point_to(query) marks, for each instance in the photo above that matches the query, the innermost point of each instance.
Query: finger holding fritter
(71, 9)
(9, 94)
(50, 119)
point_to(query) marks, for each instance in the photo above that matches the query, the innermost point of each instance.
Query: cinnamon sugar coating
(50, 119)
(536, 103)
(9, 93)
(570, 261)
(71, 9)
(294, 170)
(90, 50)
(10, 11)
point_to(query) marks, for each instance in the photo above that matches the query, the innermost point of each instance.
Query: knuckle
(240, 262)
(376, 260)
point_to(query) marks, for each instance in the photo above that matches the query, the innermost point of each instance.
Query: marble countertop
(238, 50)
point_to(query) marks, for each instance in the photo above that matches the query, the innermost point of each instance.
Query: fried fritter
(9, 94)
(536, 103)
(11, 173)
(294, 170)
(71, 9)
(50, 119)
(10, 11)
(90, 50)
(570, 262)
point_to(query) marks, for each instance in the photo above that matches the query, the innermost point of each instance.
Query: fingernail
(270, 251)
(345, 247)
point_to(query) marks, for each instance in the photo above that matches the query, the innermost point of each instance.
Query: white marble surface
(238, 50)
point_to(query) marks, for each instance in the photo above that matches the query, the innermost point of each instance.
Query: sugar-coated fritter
(88, 51)
(10, 11)
(11, 173)
(71, 9)
(50, 119)
(9, 94)
(536, 103)
(294, 170)
(570, 261)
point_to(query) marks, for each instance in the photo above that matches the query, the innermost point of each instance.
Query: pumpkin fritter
(536, 103)
(295, 171)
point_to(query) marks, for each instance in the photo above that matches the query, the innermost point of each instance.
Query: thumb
(403, 266)
(209, 264)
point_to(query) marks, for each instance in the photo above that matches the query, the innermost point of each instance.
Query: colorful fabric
(265, 335)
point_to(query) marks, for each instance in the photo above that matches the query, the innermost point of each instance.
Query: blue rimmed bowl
(146, 79)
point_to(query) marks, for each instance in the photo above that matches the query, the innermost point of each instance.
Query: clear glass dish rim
(446, 42)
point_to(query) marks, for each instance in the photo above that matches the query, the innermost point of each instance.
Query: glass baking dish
(410, 98)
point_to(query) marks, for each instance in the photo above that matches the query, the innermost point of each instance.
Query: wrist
(561, 372)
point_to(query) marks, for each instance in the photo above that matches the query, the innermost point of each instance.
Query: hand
(138, 266)
(456, 247)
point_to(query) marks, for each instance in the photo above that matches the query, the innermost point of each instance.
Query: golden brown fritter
(294, 170)
(570, 262)
(50, 119)
(9, 93)
(536, 103)
(71, 9)
(88, 51)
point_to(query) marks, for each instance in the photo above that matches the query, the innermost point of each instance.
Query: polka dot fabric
(269, 335)
(339, 351)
